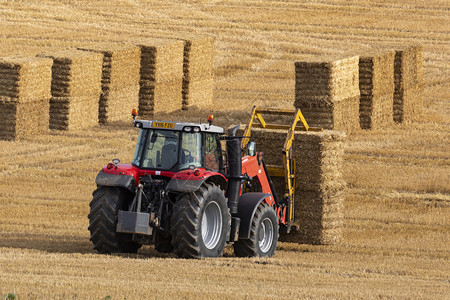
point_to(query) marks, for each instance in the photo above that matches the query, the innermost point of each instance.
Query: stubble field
(397, 209)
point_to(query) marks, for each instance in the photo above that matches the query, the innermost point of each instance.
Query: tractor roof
(177, 126)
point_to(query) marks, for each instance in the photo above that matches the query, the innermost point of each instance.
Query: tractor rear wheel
(263, 234)
(105, 207)
(200, 223)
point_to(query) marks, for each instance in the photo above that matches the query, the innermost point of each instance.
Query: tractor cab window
(161, 151)
(139, 148)
(212, 154)
(191, 150)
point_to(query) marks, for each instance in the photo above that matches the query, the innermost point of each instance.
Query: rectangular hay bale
(20, 119)
(408, 104)
(161, 76)
(120, 80)
(319, 185)
(73, 113)
(340, 115)
(76, 88)
(198, 71)
(25, 79)
(327, 92)
(408, 66)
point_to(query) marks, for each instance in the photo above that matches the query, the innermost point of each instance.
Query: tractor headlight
(187, 128)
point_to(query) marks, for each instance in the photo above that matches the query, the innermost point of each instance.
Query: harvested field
(396, 212)
(120, 81)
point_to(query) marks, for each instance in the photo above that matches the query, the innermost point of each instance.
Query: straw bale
(73, 113)
(376, 111)
(408, 104)
(19, 119)
(409, 85)
(319, 184)
(327, 92)
(117, 104)
(198, 73)
(161, 76)
(25, 79)
(340, 115)
(408, 67)
(197, 93)
(331, 78)
(376, 84)
(376, 73)
(120, 80)
(314, 236)
(75, 89)
(75, 73)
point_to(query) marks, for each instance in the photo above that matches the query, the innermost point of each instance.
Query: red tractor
(185, 194)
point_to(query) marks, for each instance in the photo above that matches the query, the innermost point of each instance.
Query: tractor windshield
(168, 150)
(157, 149)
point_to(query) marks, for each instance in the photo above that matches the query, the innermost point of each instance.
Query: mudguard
(185, 181)
(248, 203)
(125, 181)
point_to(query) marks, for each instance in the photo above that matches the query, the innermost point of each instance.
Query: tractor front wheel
(263, 234)
(200, 223)
(105, 207)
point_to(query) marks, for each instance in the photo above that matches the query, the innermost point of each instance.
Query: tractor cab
(175, 146)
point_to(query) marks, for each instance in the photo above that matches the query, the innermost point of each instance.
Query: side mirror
(251, 148)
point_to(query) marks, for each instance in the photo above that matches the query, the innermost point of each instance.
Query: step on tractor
(191, 189)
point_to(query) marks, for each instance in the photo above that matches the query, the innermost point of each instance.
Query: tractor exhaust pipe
(235, 171)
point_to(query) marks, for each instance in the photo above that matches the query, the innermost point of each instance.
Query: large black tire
(200, 223)
(105, 206)
(263, 234)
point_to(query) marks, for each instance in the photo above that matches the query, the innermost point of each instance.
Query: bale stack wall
(327, 92)
(161, 77)
(24, 96)
(76, 87)
(409, 85)
(376, 85)
(198, 71)
(120, 81)
(319, 184)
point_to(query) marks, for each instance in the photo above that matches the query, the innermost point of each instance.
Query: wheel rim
(211, 225)
(266, 235)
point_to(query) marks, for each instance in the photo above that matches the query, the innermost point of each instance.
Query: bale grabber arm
(287, 170)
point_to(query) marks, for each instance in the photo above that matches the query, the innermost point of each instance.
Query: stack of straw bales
(319, 184)
(198, 71)
(327, 92)
(24, 96)
(409, 85)
(120, 81)
(76, 87)
(376, 84)
(161, 76)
